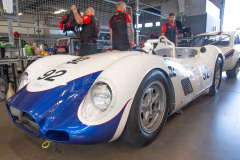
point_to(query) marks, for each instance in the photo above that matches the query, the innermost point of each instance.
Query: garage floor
(208, 129)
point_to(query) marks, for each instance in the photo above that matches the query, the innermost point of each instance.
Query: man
(120, 26)
(90, 31)
(170, 30)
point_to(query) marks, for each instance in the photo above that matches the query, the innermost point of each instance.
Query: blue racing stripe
(229, 54)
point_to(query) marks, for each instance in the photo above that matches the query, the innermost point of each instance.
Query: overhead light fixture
(59, 11)
(63, 10)
(20, 13)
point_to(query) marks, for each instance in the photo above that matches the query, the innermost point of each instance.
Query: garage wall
(193, 7)
(197, 23)
(212, 22)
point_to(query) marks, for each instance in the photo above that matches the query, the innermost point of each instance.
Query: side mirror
(203, 50)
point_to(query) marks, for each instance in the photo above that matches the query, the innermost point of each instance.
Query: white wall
(193, 7)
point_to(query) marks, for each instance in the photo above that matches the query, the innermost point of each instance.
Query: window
(237, 39)
(157, 23)
(139, 26)
(148, 24)
(218, 40)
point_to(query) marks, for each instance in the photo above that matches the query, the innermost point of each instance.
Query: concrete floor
(208, 129)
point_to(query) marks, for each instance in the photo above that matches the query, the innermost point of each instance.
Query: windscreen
(217, 40)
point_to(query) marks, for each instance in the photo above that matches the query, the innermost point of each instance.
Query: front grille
(27, 122)
(187, 86)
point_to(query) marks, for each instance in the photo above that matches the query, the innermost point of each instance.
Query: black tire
(234, 72)
(214, 89)
(134, 132)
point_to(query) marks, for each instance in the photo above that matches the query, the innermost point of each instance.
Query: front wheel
(217, 78)
(234, 72)
(149, 110)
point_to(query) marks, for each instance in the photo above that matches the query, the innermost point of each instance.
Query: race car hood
(44, 78)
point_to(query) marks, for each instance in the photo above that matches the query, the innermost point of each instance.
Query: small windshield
(218, 40)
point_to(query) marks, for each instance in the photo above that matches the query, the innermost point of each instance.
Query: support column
(10, 31)
(11, 35)
(222, 14)
(137, 22)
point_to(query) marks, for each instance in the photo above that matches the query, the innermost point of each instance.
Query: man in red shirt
(120, 26)
(90, 31)
(170, 30)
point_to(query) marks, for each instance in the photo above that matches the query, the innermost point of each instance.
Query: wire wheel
(152, 108)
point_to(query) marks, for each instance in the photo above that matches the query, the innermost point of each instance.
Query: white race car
(228, 43)
(98, 98)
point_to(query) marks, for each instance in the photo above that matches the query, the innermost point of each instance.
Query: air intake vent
(26, 122)
(187, 86)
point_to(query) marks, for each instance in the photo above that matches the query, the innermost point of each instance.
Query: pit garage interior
(207, 128)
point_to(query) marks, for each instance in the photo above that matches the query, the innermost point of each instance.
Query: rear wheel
(149, 110)
(217, 78)
(234, 72)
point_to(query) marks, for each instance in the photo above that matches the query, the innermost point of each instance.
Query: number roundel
(205, 72)
(50, 79)
(51, 75)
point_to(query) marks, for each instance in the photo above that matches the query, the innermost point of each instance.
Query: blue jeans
(121, 46)
(88, 49)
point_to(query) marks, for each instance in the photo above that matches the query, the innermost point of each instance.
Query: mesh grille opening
(27, 122)
(187, 86)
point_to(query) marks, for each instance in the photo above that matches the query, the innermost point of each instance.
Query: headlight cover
(101, 95)
(24, 80)
(99, 101)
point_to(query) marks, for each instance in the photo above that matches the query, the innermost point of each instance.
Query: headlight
(100, 100)
(24, 80)
(101, 95)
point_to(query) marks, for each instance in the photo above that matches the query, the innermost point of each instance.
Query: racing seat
(185, 52)
(167, 49)
(163, 50)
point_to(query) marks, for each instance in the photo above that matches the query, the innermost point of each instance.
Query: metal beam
(152, 13)
(115, 3)
(137, 22)
(153, 7)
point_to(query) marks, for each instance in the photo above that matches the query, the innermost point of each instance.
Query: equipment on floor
(10, 91)
(46, 144)
(3, 88)
(68, 45)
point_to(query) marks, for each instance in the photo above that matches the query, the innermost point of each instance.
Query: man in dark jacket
(90, 31)
(170, 30)
(120, 26)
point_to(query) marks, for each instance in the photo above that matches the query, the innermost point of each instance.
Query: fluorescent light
(139, 25)
(20, 13)
(157, 23)
(148, 24)
(60, 11)
(56, 12)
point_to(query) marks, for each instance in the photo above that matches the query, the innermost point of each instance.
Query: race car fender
(126, 76)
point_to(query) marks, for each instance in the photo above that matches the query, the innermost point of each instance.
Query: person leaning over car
(120, 26)
(90, 31)
(170, 30)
